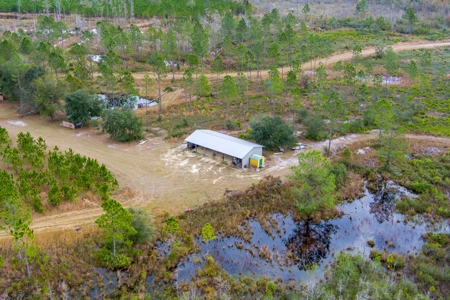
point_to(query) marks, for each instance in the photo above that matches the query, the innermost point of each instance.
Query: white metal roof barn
(227, 147)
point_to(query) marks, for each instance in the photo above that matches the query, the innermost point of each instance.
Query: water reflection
(288, 249)
(310, 243)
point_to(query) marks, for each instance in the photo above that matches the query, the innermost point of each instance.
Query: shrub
(182, 124)
(94, 123)
(271, 131)
(80, 105)
(420, 187)
(232, 124)
(243, 136)
(303, 114)
(357, 126)
(122, 125)
(315, 128)
(142, 223)
(339, 171)
(176, 134)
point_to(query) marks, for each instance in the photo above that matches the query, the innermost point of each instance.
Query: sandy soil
(157, 175)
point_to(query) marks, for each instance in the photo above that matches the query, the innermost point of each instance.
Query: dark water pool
(292, 248)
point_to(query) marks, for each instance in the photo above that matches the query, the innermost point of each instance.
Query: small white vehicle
(299, 146)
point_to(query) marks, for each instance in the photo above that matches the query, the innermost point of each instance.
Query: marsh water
(290, 249)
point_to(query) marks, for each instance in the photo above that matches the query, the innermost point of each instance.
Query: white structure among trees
(224, 147)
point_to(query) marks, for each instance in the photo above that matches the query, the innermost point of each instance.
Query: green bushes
(177, 133)
(271, 132)
(142, 224)
(420, 187)
(339, 170)
(178, 130)
(431, 270)
(315, 127)
(233, 125)
(344, 279)
(122, 125)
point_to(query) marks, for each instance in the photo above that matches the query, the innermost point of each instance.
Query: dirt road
(329, 60)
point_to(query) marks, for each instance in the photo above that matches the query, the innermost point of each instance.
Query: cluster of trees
(271, 132)
(16, 218)
(63, 176)
(125, 8)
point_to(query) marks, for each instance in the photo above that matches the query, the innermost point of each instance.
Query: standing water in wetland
(288, 249)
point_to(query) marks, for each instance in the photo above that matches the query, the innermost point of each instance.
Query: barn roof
(221, 143)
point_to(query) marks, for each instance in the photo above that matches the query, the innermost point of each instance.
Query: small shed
(256, 161)
(227, 148)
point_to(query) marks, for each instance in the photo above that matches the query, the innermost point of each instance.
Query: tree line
(125, 8)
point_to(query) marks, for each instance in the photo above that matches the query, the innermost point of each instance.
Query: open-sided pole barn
(224, 147)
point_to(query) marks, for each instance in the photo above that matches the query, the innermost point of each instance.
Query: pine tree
(305, 11)
(314, 183)
(334, 110)
(160, 70)
(203, 90)
(410, 16)
(229, 91)
(170, 50)
(116, 223)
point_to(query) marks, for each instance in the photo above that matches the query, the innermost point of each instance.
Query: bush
(243, 136)
(271, 132)
(182, 124)
(80, 105)
(315, 128)
(303, 113)
(232, 125)
(122, 125)
(420, 187)
(339, 171)
(142, 223)
(357, 126)
(105, 258)
(94, 123)
(178, 133)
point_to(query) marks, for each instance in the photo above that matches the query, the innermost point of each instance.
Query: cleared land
(160, 175)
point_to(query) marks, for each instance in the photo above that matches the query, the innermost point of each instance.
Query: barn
(223, 147)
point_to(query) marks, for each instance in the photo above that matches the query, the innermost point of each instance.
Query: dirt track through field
(158, 175)
(328, 61)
